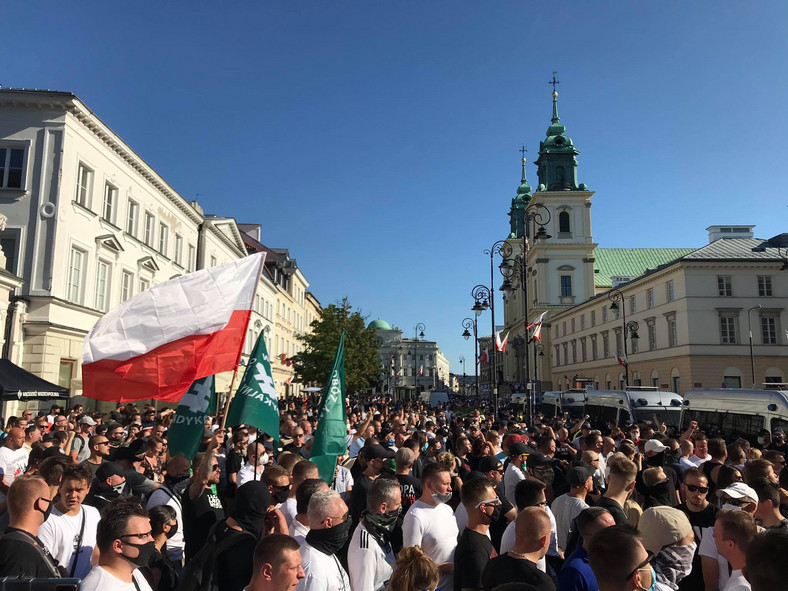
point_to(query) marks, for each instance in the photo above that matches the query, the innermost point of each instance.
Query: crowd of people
(446, 498)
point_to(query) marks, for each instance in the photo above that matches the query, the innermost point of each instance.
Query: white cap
(739, 490)
(655, 445)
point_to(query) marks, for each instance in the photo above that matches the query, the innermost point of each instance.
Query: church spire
(520, 202)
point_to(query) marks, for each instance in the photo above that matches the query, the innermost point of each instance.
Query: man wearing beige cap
(667, 533)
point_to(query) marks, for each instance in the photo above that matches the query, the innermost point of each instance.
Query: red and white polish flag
(158, 342)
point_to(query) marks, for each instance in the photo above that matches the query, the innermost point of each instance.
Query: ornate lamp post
(483, 299)
(467, 324)
(616, 296)
(418, 332)
(462, 362)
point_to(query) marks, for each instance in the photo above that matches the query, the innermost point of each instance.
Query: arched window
(563, 223)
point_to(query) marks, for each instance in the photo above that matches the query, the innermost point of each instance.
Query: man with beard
(170, 493)
(370, 556)
(99, 452)
(202, 508)
(115, 434)
(701, 515)
(329, 526)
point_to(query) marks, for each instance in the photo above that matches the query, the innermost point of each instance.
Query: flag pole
(229, 397)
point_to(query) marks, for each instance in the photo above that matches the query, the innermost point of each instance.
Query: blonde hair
(652, 476)
(446, 460)
(415, 571)
(753, 454)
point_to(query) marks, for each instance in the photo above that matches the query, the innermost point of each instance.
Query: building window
(732, 381)
(192, 266)
(574, 351)
(632, 305)
(582, 350)
(764, 285)
(76, 275)
(9, 246)
(593, 349)
(768, 330)
(650, 298)
(102, 285)
(563, 223)
(672, 336)
(566, 286)
(557, 355)
(150, 229)
(573, 325)
(655, 382)
(164, 235)
(126, 286)
(604, 315)
(582, 321)
(676, 381)
(671, 292)
(728, 330)
(605, 346)
(724, 285)
(179, 250)
(12, 161)
(652, 337)
(84, 182)
(132, 215)
(619, 345)
(110, 203)
(66, 373)
(593, 317)
(144, 285)
(634, 344)
(213, 264)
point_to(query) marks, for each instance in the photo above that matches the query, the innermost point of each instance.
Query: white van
(633, 405)
(573, 401)
(551, 405)
(733, 412)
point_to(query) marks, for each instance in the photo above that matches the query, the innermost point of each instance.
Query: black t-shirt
(616, 510)
(233, 464)
(700, 521)
(507, 569)
(410, 488)
(499, 521)
(471, 556)
(234, 564)
(199, 516)
(20, 559)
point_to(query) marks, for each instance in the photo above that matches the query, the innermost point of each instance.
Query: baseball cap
(578, 475)
(86, 420)
(488, 463)
(515, 438)
(537, 459)
(518, 449)
(655, 445)
(376, 451)
(109, 469)
(663, 526)
(739, 490)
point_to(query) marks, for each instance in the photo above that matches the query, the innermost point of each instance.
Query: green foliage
(362, 367)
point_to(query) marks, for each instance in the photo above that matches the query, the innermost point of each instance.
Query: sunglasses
(642, 565)
(215, 467)
(700, 489)
(490, 503)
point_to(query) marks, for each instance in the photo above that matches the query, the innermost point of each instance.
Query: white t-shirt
(368, 565)
(60, 533)
(511, 478)
(100, 580)
(12, 464)
(247, 474)
(737, 582)
(696, 461)
(565, 509)
(323, 572)
(708, 548)
(175, 544)
(435, 530)
(288, 509)
(298, 531)
(342, 482)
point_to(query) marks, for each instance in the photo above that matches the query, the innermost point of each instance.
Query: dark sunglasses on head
(642, 565)
(700, 489)
(215, 467)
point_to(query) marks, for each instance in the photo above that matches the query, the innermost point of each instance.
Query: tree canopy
(362, 366)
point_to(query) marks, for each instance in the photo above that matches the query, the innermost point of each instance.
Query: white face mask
(730, 507)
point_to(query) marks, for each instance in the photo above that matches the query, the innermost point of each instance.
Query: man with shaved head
(13, 459)
(21, 552)
(532, 540)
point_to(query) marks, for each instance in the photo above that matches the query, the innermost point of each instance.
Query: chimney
(718, 232)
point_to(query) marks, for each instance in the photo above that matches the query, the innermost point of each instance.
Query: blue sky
(378, 141)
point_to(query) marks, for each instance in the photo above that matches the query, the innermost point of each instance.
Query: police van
(556, 403)
(634, 405)
(732, 412)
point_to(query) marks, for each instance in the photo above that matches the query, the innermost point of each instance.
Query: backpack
(200, 573)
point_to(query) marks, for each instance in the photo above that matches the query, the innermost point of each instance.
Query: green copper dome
(557, 162)
(379, 324)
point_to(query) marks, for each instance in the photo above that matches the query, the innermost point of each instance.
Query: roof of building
(631, 262)
(379, 324)
(745, 249)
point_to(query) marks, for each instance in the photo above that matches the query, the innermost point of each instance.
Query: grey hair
(404, 458)
(320, 506)
(383, 490)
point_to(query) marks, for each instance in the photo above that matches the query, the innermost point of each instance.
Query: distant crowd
(446, 498)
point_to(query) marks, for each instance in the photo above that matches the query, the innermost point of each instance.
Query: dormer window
(563, 223)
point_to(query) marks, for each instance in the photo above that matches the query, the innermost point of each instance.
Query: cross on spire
(523, 151)
(554, 81)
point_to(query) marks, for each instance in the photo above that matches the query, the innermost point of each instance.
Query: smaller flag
(330, 438)
(485, 357)
(500, 345)
(289, 380)
(537, 326)
(421, 370)
(188, 425)
(622, 360)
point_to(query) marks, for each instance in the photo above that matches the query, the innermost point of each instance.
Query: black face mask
(380, 525)
(48, 509)
(146, 552)
(656, 459)
(175, 479)
(173, 531)
(329, 541)
(280, 496)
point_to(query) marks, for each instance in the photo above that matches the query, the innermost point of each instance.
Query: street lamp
(484, 298)
(462, 362)
(749, 325)
(418, 332)
(616, 296)
(467, 324)
(538, 352)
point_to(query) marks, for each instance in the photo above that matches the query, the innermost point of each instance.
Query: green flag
(330, 438)
(255, 402)
(185, 432)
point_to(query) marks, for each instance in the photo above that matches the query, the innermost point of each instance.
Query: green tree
(362, 366)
